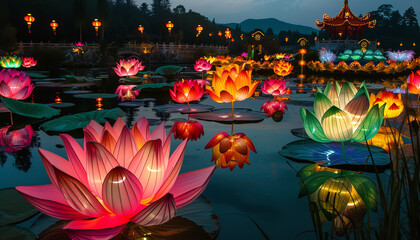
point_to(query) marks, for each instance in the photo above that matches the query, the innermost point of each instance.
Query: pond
(260, 198)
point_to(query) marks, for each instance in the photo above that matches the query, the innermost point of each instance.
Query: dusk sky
(303, 12)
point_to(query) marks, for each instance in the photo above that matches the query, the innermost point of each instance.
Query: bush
(48, 58)
(8, 41)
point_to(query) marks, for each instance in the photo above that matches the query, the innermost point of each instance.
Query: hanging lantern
(99, 104)
(379, 44)
(54, 26)
(340, 34)
(96, 24)
(141, 29)
(228, 34)
(302, 63)
(414, 44)
(315, 39)
(199, 29)
(210, 34)
(242, 36)
(232, 40)
(220, 34)
(169, 25)
(29, 20)
(401, 44)
(286, 39)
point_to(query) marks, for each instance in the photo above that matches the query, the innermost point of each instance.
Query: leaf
(168, 71)
(314, 181)
(32, 110)
(366, 189)
(35, 75)
(133, 79)
(306, 171)
(42, 222)
(96, 95)
(14, 208)
(14, 232)
(80, 120)
(153, 85)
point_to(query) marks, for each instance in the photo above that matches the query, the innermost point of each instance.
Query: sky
(303, 12)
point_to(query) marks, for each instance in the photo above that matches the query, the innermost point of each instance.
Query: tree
(179, 10)
(270, 31)
(79, 14)
(409, 19)
(103, 14)
(144, 9)
(161, 7)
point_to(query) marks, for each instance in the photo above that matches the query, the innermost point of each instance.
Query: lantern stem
(233, 115)
(189, 108)
(342, 148)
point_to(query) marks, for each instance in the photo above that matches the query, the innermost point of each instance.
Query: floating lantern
(141, 29)
(169, 26)
(54, 26)
(57, 98)
(121, 175)
(275, 87)
(129, 67)
(29, 20)
(12, 141)
(99, 104)
(126, 92)
(15, 84)
(392, 102)
(28, 62)
(199, 29)
(186, 91)
(96, 24)
(191, 130)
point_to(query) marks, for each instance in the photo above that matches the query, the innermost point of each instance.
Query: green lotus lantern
(342, 113)
(10, 61)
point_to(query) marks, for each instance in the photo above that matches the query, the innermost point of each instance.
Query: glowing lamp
(96, 24)
(300, 85)
(315, 39)
(302, 76)
(228, 34)
(414, 44)
(120, 175)
(54, 26)
(302, 63)
(220, 34)
(210, 34)
(342, 113)
(401, 44)
(15, 84)
(275, 87)
(392, 102)
(340, 34)
(130, 67)
(302, 51)
(242, 36)
(286, 39)
(57, 98)
(99, 104)
(169, 26)
(190, 130)
(378, 43)
(186, 91)
(141, 29)
(29, 20)
(199, 30)
(232, 40)
(413, 82)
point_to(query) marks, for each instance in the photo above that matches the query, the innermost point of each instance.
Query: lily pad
(357, 156)
(35, 75)
(133, 79)
(14, 208)
(60, 105)
(71, 78)
(130, 104)
(96, 95)
(32, 110)
(153, 85)
(183, 108)
(169, 71)
(77, 92)
(80, 120)
(224, 115)
(144, 73)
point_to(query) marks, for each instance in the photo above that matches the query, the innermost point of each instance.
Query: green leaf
(314, 181)
(133, 79)
(168, 71)
(306, 171)
(80, 120)
(14, 232)
(35, 75)
(366, 189)
(33, 110)
(14, 208)
(313, 127)
(369, 126)
(96, 95)
(153, 85)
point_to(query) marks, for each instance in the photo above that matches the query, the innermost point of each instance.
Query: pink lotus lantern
(272, 107)
(28, 62)
(128, 67)
(186, 91)
(202, 65)
(413, 82)
(79, 44)
(15, 84)
(119, 176)
(275, 87)
(15, 140)
(126, 93)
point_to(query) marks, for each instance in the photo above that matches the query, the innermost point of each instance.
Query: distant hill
(277, 26)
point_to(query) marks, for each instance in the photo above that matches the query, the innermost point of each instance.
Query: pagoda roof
(345, 20)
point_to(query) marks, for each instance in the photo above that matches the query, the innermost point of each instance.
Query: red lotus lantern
(169, 25)
(96, 24)
(29, 20)
(141, 29)
(228, 34)
(220, 34)
(199, 29)
(54, 26)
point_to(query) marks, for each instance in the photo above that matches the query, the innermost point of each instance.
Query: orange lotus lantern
(199, 30)
(228, 34)
(96, 24)
(283, 68)
(29, 20)
(220, 34)
(54, 26)
(169, 26)
(394, 104)
(141, 29)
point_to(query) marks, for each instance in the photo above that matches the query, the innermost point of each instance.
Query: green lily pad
(35, 75)
(80, 120)
(14, 232)
(71, 78)
(96, 95)
(169, 71)
(133, 79)
(32, 110)
(144, 73)
(14, 208)
(153, 85)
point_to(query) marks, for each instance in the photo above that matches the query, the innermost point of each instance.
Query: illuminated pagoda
(346, 23)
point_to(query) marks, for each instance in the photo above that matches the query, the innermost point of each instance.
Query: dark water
(266, 190)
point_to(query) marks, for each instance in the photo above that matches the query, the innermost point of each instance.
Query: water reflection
(190, 129)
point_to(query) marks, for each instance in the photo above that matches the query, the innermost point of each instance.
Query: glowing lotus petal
(413, 82)
(15, 84)
(138, 181)
(191, 130)
(283, 68)
(186, 91)
(127, 68)
(275, 87)
(202, 65)
(393, 103)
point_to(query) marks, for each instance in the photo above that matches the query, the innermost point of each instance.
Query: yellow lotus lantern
(393, 103)
(283, 68)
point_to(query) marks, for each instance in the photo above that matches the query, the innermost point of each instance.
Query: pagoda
(346, 23)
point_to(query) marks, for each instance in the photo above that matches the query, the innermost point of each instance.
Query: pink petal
(102, 228)
(99, 163)
(108, 141)
(119, 125)
(125, 148)
(21, 94)
(122, 192)
(53, 161)
(190, 185)
(148, 167)
(174, 166)
(47, 199)
(156, 213)
(76, 156)
(78, 196)
(4, 89)
(159, 133)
